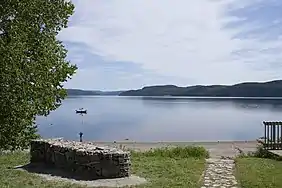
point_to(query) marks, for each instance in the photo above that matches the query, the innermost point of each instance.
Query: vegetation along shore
(247, 89)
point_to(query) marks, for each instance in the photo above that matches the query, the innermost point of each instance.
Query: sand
(216, 149)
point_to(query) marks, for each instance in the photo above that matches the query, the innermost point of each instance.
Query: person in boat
(81, 111)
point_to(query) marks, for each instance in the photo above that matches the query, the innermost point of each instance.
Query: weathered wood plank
(276, 152)
(272, 123)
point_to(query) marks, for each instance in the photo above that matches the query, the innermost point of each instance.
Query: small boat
(81, 111)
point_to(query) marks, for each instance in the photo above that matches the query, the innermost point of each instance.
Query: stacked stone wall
(81, 158)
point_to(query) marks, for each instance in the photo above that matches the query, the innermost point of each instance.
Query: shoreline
(175, 142)
(175, 97)
(217, 149)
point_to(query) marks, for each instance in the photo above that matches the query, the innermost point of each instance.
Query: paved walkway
(219, 174)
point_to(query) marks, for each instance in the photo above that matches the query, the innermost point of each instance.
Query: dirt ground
(216, 149)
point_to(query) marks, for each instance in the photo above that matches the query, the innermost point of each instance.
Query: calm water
(161, 118)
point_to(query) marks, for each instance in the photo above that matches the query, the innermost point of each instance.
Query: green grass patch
(260, 152)
(176, 167)
(170, 167)
(177, 152)
(259, 172)
(11, 178)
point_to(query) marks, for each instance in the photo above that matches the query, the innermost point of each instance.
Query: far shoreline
(174, 97)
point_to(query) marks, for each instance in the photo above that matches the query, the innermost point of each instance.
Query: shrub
(259, 153)
(176, 152)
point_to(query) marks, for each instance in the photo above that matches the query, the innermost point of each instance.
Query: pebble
(219, 174)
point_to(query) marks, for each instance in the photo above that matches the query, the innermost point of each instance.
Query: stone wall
(81, 158)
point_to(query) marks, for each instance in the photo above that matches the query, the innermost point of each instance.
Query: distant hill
(75, 92)
(247, 89)
(109, 92)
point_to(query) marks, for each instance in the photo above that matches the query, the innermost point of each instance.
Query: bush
(262, 153)
(176, 152)
(259, 153)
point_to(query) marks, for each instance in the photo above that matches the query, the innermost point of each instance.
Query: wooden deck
(276, 152)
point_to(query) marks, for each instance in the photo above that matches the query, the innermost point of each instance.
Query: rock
(83, 158)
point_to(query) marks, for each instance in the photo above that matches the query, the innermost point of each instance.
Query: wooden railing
(272, 135)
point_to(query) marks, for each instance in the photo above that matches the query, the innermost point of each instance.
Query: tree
(33, 66)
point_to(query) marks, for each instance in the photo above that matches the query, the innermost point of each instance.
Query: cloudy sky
(126, 44)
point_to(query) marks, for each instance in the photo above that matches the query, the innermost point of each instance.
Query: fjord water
(146, 119)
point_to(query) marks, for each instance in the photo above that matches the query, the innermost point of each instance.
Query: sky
(120, 45)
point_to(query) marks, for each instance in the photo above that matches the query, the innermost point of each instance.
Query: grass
(10, 178)
(176, 167)
(177, 152)
(259, 172)
(259, 169)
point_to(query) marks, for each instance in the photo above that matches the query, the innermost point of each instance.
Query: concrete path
(219, 174)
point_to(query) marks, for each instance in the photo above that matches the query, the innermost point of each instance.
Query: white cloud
(180, 38)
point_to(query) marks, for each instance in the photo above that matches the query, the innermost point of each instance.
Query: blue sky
(131, 44)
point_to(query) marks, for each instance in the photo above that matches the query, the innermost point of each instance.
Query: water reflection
(161, 118)
(246, 103)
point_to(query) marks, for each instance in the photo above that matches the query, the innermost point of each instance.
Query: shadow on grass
(50, 170)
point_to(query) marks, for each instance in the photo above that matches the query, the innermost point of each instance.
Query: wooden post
(280, 136)
(278, 140)
(80, 136)
(267, 136)
(274, 136)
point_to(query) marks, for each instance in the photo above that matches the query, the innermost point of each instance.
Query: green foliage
(177, 152)
(258, 173)
(75, 92)
(33, 65)
(259, 153)
(266, 89)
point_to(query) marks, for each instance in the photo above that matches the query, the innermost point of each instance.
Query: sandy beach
(216, 149)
